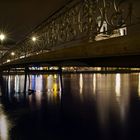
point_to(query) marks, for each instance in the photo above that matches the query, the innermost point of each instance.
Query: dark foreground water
(78, 106)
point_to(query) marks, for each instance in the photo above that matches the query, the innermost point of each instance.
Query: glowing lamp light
(12, 53)
(34, 39)
(8, 60)
(2, 37)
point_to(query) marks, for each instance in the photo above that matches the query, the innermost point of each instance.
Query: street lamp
(2, 36)
(8, 60)
(34, 39)
(12, 53)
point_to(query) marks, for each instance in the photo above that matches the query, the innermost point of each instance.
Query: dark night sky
(19, 17)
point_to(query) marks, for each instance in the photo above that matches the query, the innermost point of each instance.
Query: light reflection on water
(118, 85)
(94, 83)
(5, 124)
(49, 84)
(109, 94)
(45, 84)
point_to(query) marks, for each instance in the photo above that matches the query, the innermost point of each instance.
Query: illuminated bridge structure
(82, 33)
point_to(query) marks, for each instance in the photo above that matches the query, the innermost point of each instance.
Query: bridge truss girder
(78, 21)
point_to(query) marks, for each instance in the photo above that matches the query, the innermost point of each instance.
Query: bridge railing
(78, 21)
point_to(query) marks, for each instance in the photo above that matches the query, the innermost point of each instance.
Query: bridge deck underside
(123, 51)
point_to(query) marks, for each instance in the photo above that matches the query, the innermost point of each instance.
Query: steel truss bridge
(83, 32)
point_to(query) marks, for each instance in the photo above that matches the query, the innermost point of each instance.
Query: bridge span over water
(123, 51)
(82, 33)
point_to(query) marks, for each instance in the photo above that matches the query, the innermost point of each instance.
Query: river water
(70, 107)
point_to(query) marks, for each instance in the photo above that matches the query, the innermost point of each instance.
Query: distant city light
(2, 37)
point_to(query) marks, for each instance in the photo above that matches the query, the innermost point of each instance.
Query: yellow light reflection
(118, 85)
(81, 86)
(81, 83)
(55, 76)
(94, 83)
(53, 88)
